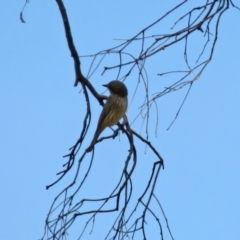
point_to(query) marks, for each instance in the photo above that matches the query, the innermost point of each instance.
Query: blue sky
(42, 116)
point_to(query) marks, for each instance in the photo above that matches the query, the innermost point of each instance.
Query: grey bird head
(117, 88)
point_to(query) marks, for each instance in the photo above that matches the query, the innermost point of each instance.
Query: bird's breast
(118, 107)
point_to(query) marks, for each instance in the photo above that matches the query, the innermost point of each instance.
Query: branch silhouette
(133, 213)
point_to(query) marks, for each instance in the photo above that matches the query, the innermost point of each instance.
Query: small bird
(113, 110)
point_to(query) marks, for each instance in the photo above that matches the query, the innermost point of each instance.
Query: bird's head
(117, 88)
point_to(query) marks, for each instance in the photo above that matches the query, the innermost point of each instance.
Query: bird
(114, 109)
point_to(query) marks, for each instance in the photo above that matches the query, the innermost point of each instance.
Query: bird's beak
(105, 85)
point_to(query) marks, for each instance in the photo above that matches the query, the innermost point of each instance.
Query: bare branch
(132, 214)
